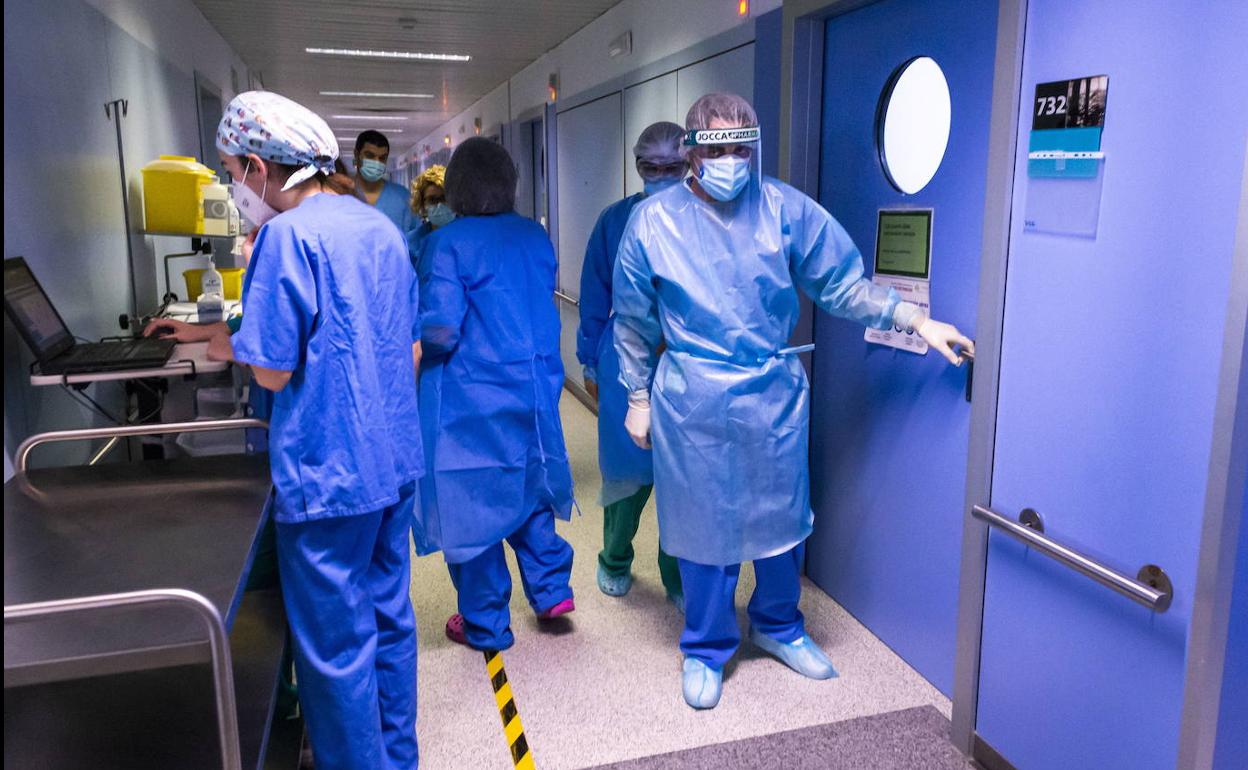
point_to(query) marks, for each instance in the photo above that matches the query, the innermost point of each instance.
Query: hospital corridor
(625, 385)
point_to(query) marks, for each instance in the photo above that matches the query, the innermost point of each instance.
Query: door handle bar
(1155, 594)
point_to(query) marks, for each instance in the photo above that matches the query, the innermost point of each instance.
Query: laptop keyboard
(104, 354)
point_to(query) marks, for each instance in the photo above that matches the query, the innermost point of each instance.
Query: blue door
(1111, 345)
(889, 428)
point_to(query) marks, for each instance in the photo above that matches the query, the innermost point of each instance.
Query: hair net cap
(278, 130)
(660, 143)
(731, 109)
(480, 179)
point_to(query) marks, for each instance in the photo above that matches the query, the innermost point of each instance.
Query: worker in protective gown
(627, 473)
(489, 402)
(712, 267)
(429, 204)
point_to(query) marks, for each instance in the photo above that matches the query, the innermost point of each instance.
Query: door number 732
(1050, 105)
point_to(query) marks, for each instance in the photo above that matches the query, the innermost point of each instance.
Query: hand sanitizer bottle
(211, 304)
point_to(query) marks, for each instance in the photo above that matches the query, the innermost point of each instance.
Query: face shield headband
(704, 136)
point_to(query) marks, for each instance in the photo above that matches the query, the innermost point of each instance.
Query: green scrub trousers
(619, 525)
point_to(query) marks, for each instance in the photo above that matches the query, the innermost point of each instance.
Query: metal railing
(218, 644)
(1156, 594)
(122, 431)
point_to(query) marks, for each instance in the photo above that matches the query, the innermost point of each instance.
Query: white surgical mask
(724, 178)
(440, 215)
(372, 170)
(250, 205)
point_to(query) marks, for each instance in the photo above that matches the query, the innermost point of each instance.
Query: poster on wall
(1065, 163)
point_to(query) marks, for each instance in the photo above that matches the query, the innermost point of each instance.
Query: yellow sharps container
(173, 201)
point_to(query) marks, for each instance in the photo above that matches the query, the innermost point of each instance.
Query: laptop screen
(32, 313)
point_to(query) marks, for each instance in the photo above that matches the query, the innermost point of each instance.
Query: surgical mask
(372, 170)
(724, 178)
(440, 215)
(653, 186)
(251, 205)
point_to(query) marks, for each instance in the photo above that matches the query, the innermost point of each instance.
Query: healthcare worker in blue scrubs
(489, 402)
(372, 153)
(627, 472)
(430, 206)
(332, 311)
(712, 268)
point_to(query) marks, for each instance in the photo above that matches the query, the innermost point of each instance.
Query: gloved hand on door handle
(942, 337)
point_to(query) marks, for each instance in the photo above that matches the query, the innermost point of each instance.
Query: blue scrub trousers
(711, 632)
(345, 581)
(484, 582)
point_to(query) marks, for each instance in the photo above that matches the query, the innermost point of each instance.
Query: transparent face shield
(726, 162)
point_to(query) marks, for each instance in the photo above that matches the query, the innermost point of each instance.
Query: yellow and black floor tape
(521, 757)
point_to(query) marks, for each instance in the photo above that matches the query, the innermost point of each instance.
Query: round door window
(912, 124)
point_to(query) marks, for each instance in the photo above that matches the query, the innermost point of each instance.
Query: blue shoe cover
(803, 655)
(612, 585)
(701, 684)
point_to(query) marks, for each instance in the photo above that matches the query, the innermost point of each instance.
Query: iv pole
(116, 110)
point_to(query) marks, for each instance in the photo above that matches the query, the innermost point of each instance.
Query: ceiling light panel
(377, 95)
(408, 55)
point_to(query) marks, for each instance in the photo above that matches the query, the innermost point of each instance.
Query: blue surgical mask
(372, 170)
(653, 186)
(440, 215)
(724, 178)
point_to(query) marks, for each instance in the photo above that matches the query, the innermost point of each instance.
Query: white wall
(590, 178)
(180, 33)
(660, 28)
(62, 185)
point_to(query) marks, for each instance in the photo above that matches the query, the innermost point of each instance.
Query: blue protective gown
(415, 244)
(718, 283)
(490, 384)
(331, 297)
(625, 467)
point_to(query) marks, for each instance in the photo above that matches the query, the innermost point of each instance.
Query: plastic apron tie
(794, 350)
(782, 352)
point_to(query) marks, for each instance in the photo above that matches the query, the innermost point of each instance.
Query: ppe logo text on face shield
(723, 135)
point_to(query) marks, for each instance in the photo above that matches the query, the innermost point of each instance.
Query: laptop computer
(51, 341)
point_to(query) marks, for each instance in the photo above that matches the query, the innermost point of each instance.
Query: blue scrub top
(395, 203)
(331, 296)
